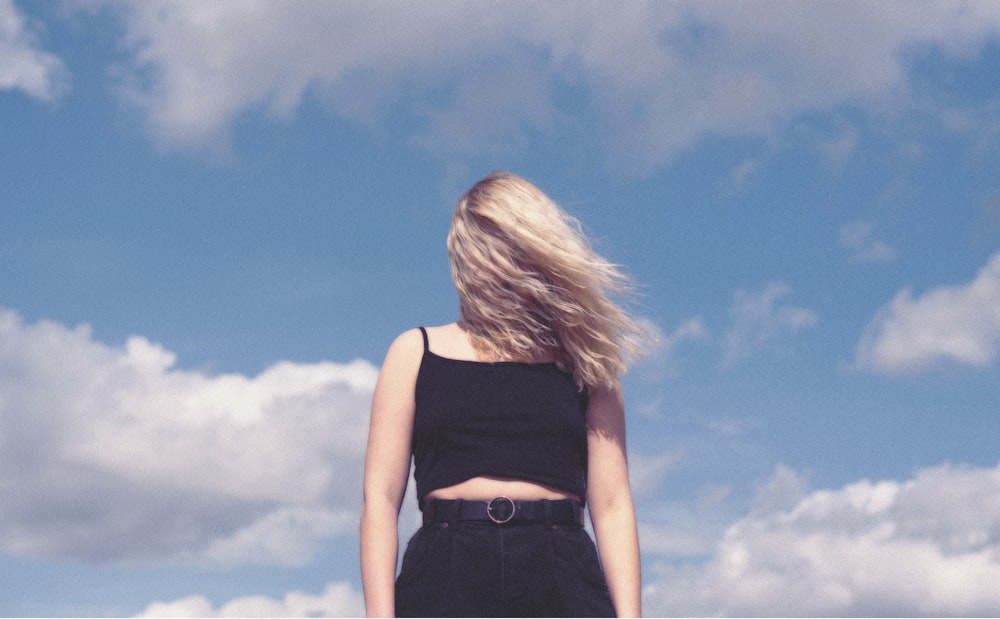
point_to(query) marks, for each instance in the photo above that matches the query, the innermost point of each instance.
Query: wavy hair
(530, 285)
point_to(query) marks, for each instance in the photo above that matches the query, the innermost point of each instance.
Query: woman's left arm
(610, 499)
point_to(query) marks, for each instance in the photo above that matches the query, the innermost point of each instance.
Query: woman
(515, 419)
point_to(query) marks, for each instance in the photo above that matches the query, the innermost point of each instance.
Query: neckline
(491, 363)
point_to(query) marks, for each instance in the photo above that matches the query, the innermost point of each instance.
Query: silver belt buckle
(497, 504)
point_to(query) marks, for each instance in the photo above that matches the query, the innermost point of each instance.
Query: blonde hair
(530, 285)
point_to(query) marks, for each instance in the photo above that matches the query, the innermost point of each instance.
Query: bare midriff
(485, 488)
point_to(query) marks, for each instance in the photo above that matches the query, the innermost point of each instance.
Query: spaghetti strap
(423, 332)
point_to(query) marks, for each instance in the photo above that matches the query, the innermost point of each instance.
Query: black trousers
(483, 569)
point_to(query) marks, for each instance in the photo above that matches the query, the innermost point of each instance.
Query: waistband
(503, 510)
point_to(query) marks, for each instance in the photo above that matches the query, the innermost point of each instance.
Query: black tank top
(521, 420)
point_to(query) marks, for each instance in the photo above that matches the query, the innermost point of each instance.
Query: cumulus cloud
(114, 454)
(958, 323)
(23, 64)
(929, 545)
(758, 321)
(337, 600)
(197, 66)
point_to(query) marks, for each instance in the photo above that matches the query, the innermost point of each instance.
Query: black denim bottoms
(502, 559)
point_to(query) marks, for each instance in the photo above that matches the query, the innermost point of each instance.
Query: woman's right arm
(387, 469)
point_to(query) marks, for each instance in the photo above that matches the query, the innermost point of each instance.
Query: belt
(502, 510)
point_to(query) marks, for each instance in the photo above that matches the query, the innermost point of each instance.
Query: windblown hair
(530, 285)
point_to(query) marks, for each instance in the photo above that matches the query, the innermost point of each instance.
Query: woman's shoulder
(413, 340)
(407, 345)
(450, 331)
(450, 341)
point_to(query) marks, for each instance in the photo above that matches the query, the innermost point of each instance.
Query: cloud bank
(337, 600)
(926, 546)
(197, 67)
(112, 454)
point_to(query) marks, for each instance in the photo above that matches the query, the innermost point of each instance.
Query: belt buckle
(493, 506)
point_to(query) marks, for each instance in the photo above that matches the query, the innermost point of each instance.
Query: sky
(215, 217)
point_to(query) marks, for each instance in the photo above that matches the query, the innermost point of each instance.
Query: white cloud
(113, 454)
(929, 545)
(337, 600)
(960, 323)
(23, 65)
(759, 321)
(706, 67)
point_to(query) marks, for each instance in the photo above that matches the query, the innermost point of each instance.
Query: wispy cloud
(955, 323)
(758, 321)
(859, 237)
(24, 65)
(646, 473)
(662, 361)
(837, 149)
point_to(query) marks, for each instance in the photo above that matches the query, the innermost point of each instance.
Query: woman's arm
(610, 498)
(387, 469)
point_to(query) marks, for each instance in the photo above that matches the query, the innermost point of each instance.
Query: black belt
(502, 510)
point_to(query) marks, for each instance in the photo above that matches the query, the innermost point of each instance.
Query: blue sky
(214, 217)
